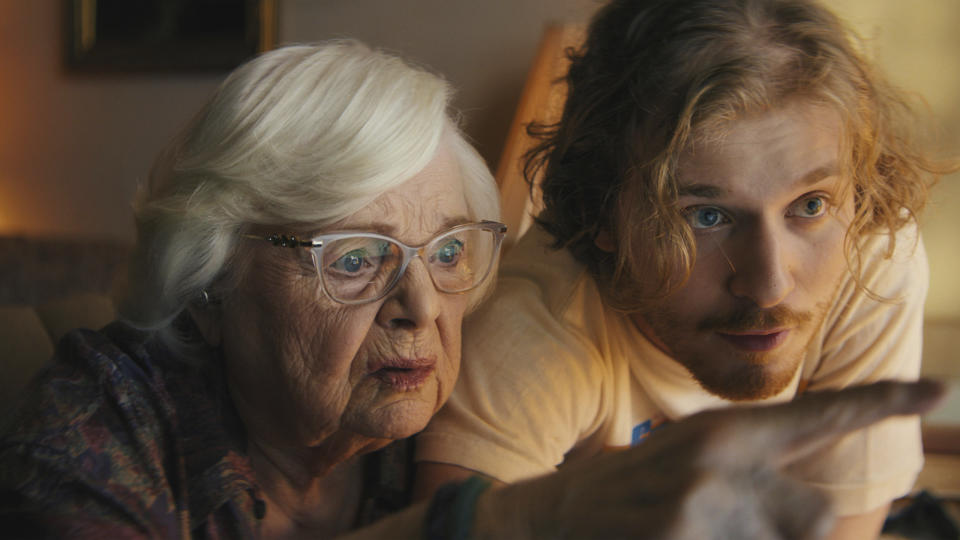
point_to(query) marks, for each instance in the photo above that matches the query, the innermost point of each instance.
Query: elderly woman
(307, 249)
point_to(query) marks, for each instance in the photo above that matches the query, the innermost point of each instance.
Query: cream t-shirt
(551, 375)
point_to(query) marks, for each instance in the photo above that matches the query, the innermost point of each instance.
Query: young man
(730, 204)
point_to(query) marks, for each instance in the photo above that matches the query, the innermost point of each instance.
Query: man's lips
(403, 374)
(756, 340)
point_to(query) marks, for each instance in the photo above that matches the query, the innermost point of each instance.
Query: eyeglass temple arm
(501, 227)
(282, 240)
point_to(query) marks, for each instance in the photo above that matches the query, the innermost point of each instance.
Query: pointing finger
(787, 431)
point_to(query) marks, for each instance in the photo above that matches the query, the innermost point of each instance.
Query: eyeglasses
(358, 267)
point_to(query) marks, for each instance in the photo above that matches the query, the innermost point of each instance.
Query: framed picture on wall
(166, 35)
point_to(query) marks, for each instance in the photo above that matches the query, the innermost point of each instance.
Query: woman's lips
(759, 341)
(403, 374)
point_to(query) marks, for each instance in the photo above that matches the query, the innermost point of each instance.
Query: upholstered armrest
(28, 335)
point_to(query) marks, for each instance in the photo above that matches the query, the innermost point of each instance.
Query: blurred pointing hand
(715, 475)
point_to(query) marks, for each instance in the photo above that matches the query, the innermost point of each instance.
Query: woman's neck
(304, 496)
(311, 488)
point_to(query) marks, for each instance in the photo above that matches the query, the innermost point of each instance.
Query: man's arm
(431, 475)
(860, 526)
(678, 485)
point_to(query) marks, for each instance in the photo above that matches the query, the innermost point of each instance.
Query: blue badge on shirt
(643, 430)
(640, 432)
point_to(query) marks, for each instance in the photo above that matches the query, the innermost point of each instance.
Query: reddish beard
(753, 375)
(749, 318)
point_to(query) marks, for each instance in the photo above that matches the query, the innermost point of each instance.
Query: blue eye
(449, 253)
(811, 207)
(705, 217)
(351, 262)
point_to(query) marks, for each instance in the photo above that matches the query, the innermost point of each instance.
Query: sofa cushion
(25, 346)
(29, 335)
(86, 310)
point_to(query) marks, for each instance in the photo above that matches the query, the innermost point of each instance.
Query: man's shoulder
(538, 286)
(546, 313)
(894, 260)
(537, 280)
(873, 327)
(536, 259)
(887, 271)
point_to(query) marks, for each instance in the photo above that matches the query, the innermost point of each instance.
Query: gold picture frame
(167, 35)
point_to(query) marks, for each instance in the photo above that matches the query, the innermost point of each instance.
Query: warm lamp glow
(11, 223)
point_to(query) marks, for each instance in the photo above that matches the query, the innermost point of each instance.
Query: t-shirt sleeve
(870, 336)
(528, 390)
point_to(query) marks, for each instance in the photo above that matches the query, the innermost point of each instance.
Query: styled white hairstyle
(304, 134)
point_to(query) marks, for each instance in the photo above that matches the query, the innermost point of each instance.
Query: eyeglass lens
(362, 267)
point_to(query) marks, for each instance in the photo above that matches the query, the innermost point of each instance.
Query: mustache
(747, 318)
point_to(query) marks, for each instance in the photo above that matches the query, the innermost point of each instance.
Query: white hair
(303, 134)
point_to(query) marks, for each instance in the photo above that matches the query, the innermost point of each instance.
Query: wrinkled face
(769, 210)
(303, 368)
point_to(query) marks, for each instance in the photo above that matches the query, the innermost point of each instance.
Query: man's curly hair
(653, 74)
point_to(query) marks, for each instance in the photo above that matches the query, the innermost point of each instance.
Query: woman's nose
(762, 268)
(414, 302)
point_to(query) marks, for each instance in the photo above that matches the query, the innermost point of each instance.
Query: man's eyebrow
(709, 191)
(818, 174)
(703, 191)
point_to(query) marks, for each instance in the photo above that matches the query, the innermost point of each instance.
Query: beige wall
(483, 47)
(918, 43)
(72, 148)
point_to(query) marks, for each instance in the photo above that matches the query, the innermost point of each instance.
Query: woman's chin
(398, 419)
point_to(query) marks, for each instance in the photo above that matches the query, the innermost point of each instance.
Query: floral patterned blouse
(119, 439)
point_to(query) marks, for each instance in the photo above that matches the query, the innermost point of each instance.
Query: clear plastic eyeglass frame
(458, 259)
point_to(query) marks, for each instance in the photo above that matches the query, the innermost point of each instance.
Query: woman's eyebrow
(389, 229)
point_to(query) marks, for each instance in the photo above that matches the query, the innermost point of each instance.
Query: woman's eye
(809, 207)
(705, 217)
(449, 253)
(351, 262)
(365, 256)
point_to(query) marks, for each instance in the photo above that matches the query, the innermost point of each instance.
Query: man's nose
(762, 264)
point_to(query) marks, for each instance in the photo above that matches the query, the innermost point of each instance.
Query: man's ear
(207, 319)
(604, 242)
